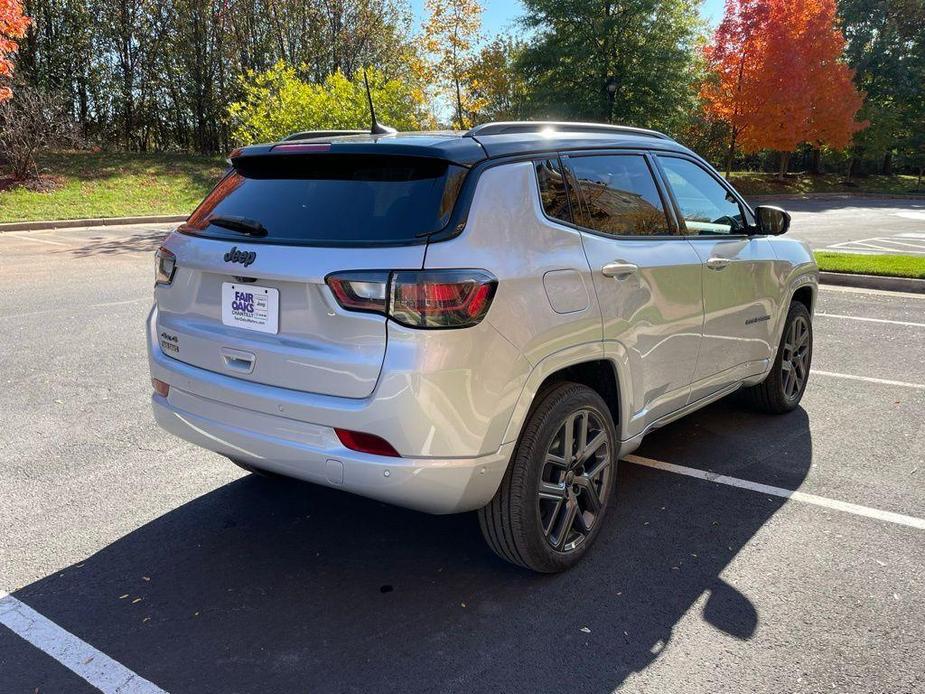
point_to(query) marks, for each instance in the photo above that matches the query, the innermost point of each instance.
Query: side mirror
(772, 221)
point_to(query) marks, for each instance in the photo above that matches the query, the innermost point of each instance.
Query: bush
(30, 122)
(277, 103)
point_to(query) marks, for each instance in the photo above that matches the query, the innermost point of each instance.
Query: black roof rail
(308, 134)
(509, 127)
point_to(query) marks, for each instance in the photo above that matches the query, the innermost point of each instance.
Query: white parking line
(857, 510)
(919, 246)
(868, 379)
(77, 655)
(867, 245)
(872, 320)
(879, 243)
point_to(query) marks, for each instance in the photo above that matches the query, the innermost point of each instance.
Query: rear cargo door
(248, 298)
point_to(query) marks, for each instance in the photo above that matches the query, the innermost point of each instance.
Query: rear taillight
(441, 298)
(165, 263)
(365, 443)
(360, 291)
(418, 298)
(161, 388)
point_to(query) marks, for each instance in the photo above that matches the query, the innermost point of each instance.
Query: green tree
(886, 48)
(159, 74)
(450, 33)
(629, 61)
(276, 103)
(495, 84)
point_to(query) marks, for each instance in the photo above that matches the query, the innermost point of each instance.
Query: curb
(890, 284)
(835, 196)
(74, 223)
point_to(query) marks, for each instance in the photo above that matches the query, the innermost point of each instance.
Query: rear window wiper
(243, 225)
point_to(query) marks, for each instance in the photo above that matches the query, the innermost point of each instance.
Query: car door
(646, 275)
(740, 292)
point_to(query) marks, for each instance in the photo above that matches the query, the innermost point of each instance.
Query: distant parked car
(480, 321)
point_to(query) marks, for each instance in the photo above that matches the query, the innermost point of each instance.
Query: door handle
(619, 270)
(717, 263)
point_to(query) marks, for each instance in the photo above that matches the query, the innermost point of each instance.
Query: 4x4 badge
(236, 256)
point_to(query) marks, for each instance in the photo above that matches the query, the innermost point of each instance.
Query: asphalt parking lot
(177, 571)
(858, 225)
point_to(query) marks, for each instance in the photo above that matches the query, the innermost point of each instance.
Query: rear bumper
(313, 453)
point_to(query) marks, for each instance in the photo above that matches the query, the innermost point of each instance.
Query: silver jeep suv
(481, 321)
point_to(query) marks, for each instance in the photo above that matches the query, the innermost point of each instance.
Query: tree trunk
(784, 160)
(918, 183)
(730, 155)
(459, 111)
(888, 164)
(815, 164)
(852, 165)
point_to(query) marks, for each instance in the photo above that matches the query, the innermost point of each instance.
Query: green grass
(107, 184)
(753, 183)
(888, 265)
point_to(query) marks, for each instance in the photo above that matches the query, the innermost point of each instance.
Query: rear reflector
(365, 443)
(160, 387)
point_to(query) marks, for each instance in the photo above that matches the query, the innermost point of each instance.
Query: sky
(499, 15)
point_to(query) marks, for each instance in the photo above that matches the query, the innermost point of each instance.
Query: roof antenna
(375, 128)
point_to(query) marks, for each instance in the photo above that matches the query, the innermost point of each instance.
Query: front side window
(707, 207)
(619, 195)
(553, 192)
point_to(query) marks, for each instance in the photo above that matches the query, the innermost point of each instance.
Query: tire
(783, 388)
(550, 529)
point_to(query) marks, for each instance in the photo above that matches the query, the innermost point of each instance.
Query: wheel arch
(585, 364)
(805, 295)
(804, 289)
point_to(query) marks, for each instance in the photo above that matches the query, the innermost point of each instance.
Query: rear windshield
(330, 200)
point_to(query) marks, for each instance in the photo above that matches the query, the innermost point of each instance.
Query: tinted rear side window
(333, 199)
(618, 195)
(553, 191)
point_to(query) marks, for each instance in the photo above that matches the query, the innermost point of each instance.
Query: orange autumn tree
(13, 25)
(777, 77)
